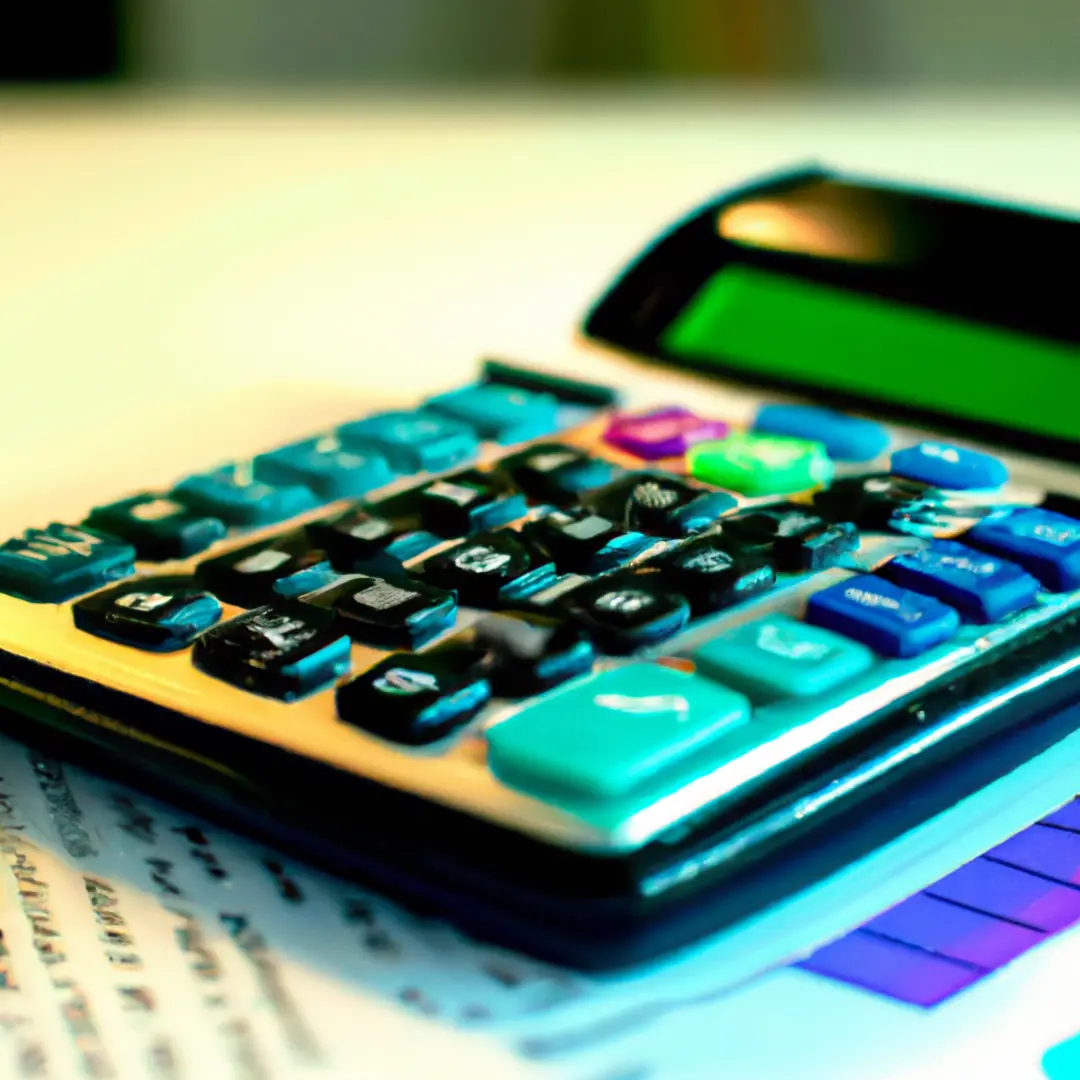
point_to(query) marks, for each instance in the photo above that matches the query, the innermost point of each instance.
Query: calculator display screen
(913, 301)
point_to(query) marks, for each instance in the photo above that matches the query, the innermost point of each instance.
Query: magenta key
(662, 433)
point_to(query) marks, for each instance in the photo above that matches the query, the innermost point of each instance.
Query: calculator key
(413, 441)
(662, 433)
(648, 502)
(247, 576)
(580, 542)
(777, 657)
(396, 613)
(358, 535)
(792, 537)
(1051, 853)
(233, 494)
(326, 468)
(1044, 543)
(488, 568)
(711, 576)
(701, 513)
(275, 653)
(872, 502)
(606, 734)
(983, 588)
(415, 698)
(556, 474)
(529, 653)
(504, 414)
(157, 614)
(61, 561)
(950, 467)
(845, 438)
(625, 611)
(467, 502)
(761, 464)
(891, 620)
(158, 527)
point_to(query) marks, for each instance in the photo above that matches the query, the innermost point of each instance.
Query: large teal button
(503, 413)
(605, 735)
(778, 657)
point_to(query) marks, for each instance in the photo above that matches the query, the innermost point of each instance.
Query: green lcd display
(748, 318)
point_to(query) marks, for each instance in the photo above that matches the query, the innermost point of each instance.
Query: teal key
(1062, 1062)
(606, 734)
(326, 468)
(504, 414)
(413, 441)
(779, 657)
(61, 561)
(232, 494)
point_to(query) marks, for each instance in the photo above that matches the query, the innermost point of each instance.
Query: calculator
(600, 659)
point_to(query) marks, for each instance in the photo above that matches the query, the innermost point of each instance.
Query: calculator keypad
(627, 603)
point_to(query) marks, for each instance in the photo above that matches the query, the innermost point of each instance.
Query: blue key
(322, 465)
(845, 438)
(983, 588)
(1044, 543)
(234, 495)
(54, 564)
(776, 657)
(948, 466)
(502, 413)
(413, 441)
(891, 620)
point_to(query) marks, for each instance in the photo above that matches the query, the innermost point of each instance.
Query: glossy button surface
(948, 466)
(234, 495)
(326, 468)
(413, 441)
(61, 561)
(891, 620)
(1044, 543)
(845, 438)
(158, 527)
(761, 464)
(983, 588)
(777, 656)
(605, 734)
(504, 414)
(662, 433)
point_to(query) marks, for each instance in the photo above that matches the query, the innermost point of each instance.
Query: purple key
(890, 968)
(955, 932)
(1012, 894)
(662, 433)
(1051, 852)
(1067, 817)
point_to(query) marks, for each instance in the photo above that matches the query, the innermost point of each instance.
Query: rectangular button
(887, 967)
(1012, 894)
(1066, 817)
(1044, 543)
(955, 932)
(1050, 852)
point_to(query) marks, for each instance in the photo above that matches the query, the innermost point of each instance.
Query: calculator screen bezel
(644, 301)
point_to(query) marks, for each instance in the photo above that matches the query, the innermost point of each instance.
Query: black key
(556, 474)
(246, 577)
(358, 535)
(869, 501)
(584, 543)
(710, 576)
(391, 613)
(792, 537)
(625, 611)
(529, 653)
(646, 502)
(156, 614)
(415, 698)
(488, 569)
(158, 527)
(467, 502)
(277, 653)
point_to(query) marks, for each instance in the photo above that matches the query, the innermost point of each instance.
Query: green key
(761, 464)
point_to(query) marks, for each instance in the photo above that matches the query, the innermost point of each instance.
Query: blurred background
(252, 43)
